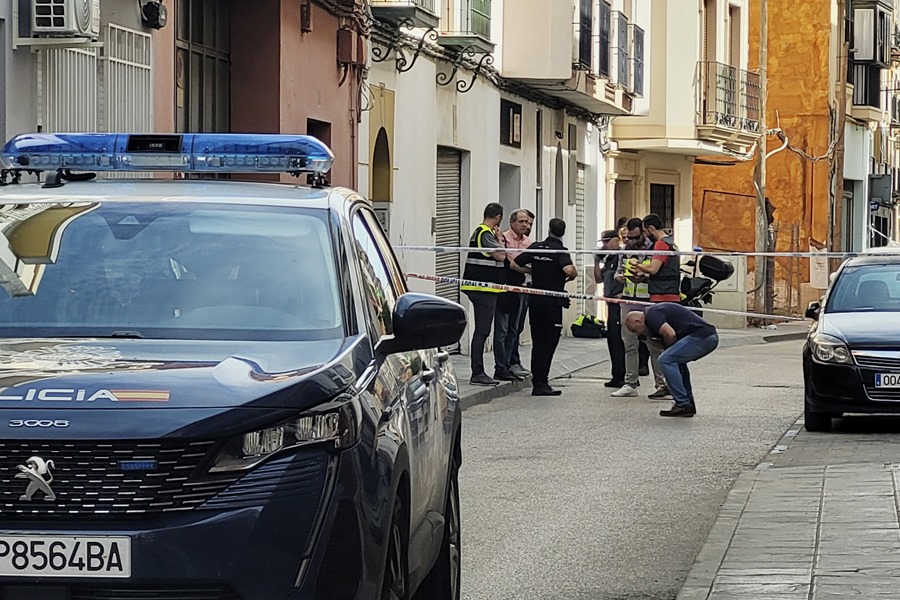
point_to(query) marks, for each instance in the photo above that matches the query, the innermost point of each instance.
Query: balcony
(468, 26)
(416, 13)
(728, 104)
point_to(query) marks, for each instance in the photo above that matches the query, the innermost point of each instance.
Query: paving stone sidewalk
(575, 354)
(804, 533)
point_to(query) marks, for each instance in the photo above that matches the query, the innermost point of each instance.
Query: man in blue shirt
(687, 337)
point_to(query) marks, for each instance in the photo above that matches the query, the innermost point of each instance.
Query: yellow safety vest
(481, 266)
(634, 289)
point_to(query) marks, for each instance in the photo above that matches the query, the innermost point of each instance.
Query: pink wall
(164, 76)
(280, 77)
(310, 75)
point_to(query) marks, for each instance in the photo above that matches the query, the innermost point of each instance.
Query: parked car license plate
(887, 380)
(64, 556)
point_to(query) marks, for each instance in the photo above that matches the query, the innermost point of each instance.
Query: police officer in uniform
(549, 272)
(484, 267)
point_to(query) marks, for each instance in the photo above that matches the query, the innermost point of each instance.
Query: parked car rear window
(168, 271)
(862, 288)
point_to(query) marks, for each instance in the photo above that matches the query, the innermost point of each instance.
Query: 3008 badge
(42, 423)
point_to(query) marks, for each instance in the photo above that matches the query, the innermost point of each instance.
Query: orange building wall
(799, 86)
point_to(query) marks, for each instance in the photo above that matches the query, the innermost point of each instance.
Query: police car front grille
(90, 478)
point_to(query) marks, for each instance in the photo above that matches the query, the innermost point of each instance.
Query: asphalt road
(590, 497)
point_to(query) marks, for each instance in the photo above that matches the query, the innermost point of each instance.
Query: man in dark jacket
(686, 338)
(605, 267)
(549, 271)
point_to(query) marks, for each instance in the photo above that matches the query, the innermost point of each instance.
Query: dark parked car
(216, 390)
(851, 360)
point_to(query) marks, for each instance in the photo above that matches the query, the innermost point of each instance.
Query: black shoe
(644, 371)
(545, 390)
(506, 376)
(483, 379)
(679, 411)
(614, 383)
(660, 394)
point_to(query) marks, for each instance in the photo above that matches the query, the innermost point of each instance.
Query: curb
(573, 365)
(702, 575)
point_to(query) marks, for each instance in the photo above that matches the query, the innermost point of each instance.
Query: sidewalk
(575, 354)
(803, 533)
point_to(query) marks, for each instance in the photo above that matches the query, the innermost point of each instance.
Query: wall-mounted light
(154, 14)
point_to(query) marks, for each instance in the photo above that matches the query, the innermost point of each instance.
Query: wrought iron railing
(729, 97)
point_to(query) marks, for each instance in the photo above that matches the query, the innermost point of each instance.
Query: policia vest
(480, 266)
(668, 279)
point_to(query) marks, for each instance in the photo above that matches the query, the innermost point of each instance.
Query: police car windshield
(167, 271)
(866, 288)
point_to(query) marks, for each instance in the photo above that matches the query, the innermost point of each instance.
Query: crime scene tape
(695, 252)
(539, 292)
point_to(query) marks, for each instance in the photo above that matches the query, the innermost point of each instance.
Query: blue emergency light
(185, 153)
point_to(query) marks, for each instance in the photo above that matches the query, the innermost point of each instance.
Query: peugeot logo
(42, 423)
(37, 472)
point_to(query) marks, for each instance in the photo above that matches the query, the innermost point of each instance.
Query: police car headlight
(336, 426)
(828, 349)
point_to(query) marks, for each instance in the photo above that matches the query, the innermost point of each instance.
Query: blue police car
(212, 389)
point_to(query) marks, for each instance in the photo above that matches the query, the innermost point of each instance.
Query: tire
(395, 581)
(815, 421)
(443, 581)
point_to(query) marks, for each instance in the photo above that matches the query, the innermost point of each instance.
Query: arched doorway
(381, 169)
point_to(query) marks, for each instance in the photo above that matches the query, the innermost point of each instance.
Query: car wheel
(815, 421)
(443, 581)
(395, 582)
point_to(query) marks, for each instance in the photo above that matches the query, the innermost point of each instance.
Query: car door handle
(428, 375)
(442, 357)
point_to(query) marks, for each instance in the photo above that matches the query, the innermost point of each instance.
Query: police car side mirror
(813, 310)
(421, 322)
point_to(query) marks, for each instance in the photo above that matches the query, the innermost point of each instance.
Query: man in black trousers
(605, 267)
(549, 271)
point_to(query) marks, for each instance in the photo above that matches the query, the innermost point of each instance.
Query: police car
(214, 389)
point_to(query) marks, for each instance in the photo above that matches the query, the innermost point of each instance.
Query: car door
(405, 372)
(425, 378)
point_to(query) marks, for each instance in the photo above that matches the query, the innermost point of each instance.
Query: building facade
(64, 74)
(702, 104)
(478, 101)
(826, 189)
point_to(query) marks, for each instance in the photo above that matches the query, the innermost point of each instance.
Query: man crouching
(686, 337)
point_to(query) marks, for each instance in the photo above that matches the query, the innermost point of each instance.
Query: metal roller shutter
(579, 228)
(447, 220)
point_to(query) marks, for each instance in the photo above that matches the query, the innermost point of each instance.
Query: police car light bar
(184, 153)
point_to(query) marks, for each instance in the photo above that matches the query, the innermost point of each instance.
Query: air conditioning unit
(66, 18)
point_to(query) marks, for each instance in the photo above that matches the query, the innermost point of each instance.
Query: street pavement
(816, 520)
(585, 496)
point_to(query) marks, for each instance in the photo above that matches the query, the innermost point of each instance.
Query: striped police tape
(539, 292)
(888, 251)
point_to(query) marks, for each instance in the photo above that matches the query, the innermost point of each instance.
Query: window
(181, 272)
(734, 36)
(379, 291)
(866, 288)
(605, 37)
(510, 124)
(662, 203)
(202, 66)
(585, 34)
(637, 60)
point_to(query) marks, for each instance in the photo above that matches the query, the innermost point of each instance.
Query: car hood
(126, 374)
(861, 330)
